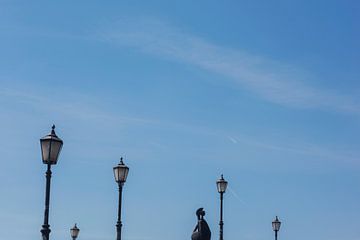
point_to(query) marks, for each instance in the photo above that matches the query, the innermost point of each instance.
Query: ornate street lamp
(50, 149)
(74, 232)
(221, 187)
(276, 226)
(120, 173)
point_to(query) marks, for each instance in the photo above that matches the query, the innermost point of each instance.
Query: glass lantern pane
(45, 144)
(126, 173)
(115, 174)
(218, 187)
(278, 225)
(55, 151)
(121, 174)
(224, 186)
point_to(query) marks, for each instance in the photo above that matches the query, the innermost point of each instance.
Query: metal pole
(221, 217)
(276, 234)
(119, 224)
(45, 231)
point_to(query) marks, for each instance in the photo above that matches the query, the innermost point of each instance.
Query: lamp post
(50, 149)
(120, 173)
(74, 232)
(276, 226)
(221, 187)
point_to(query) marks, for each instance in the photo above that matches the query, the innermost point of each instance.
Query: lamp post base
(45, 232)
(118, 231)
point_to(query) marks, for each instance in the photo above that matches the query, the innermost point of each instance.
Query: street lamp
(74, 232)
(120, 173)
(50, 149)
(276, 226)
(221, 187)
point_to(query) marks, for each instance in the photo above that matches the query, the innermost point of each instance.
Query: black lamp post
(276, 226)
(74, 232)
(50, 149)
(221, 187)
(120, 172)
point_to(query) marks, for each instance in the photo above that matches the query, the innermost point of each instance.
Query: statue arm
(196, 227)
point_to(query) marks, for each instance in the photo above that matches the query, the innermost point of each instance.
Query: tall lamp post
(120, 173)
(50, 149)
(221, 187)
(276, 226)
(74, 232)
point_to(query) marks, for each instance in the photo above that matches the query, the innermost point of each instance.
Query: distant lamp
(120, 172)
(74, 232)
(50, 149)
(276, 226)
(51, 146)
(221, 184)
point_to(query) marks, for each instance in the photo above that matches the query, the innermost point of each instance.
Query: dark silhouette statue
(202, 230)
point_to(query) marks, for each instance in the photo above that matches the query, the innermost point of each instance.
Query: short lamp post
(74, 232)
(221, 187)
(276, 226)
(120, 173)
(50, 149)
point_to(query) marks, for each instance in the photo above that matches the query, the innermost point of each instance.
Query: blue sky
(266, 93)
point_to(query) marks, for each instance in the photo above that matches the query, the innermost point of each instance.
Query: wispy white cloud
(301, 148)
(236, 195)
(233, 140)
(79, 108)
(273, 81)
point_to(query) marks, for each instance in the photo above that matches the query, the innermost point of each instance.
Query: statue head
(200, 213)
